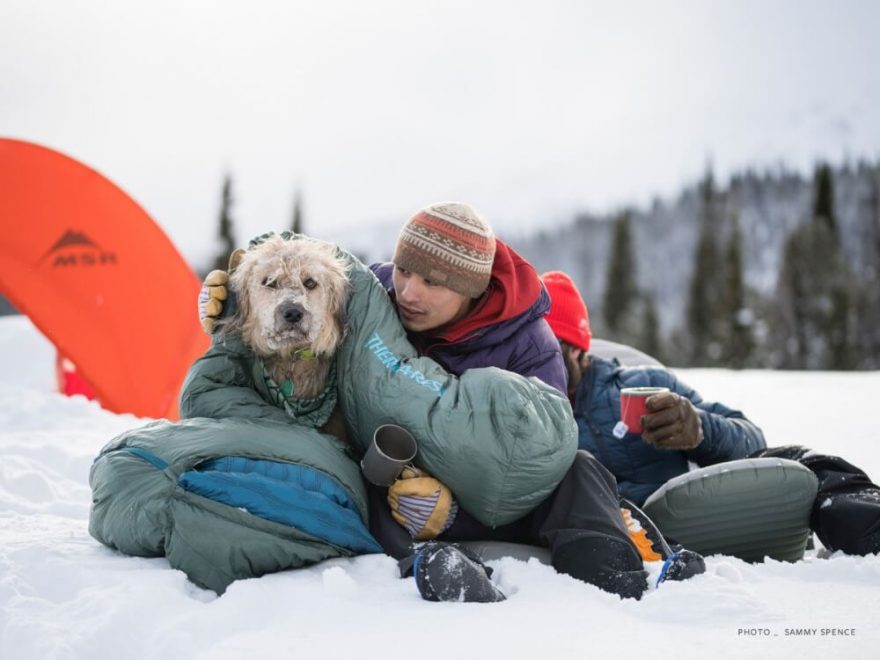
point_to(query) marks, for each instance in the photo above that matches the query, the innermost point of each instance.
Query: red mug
(632, 405)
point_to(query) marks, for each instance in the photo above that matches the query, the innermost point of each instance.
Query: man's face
(576, 364)
(423, 305)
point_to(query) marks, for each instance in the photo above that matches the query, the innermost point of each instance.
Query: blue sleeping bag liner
(294, 495)
(289, 494)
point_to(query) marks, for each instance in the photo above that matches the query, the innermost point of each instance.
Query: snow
(64, 595)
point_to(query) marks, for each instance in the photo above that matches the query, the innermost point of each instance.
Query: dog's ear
(338, 289)
(238, 284)
(235, 259)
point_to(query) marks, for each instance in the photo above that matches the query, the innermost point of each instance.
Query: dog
(291, 309)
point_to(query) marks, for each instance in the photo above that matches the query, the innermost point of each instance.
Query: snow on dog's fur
(291, 304)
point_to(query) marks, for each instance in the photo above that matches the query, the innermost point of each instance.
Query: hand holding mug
(671, 422)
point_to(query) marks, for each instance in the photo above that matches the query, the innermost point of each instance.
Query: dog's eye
(309, 283)
(270, 283)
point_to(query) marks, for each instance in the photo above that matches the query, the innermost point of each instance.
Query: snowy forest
(772, 270)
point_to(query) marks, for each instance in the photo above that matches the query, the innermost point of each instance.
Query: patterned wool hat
(449, 244)
(568, 316)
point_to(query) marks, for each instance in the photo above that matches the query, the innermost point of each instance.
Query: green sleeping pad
(752, 508)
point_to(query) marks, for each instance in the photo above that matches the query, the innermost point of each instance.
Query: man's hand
(211, 297)
(423, 505)
(214, 293)
(673, 422)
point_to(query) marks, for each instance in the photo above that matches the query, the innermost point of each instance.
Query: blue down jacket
(639, 467)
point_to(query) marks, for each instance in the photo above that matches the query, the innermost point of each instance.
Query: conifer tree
(621, 290)
(815, 314)
(738, 339)
(297, 224)
(790, 322)
(225, 233)
(868, 295)
(838, 322)
(870, 308)
(823, 204)
(706, 281)
(649, 340)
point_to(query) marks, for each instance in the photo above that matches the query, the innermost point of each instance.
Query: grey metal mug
(391, 450)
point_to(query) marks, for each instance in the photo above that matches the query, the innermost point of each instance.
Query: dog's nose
(291, 313)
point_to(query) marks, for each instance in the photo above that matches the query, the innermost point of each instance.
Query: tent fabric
(99, 278)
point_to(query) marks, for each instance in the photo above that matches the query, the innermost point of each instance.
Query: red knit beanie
(568, 316)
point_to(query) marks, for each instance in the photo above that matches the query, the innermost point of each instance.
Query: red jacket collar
(513, 288)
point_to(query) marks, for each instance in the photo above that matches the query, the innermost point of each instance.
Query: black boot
(846, 513)
(611, 564)
(849, 521)
(678, 563)
(445, 572)
(681, 565)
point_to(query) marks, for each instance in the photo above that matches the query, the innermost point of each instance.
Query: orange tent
(99, 278)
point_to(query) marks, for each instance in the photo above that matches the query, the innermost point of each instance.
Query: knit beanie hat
(449, 244)
(568, 316)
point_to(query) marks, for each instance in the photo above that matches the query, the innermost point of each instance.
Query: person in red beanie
(570, 321)
(681, 427)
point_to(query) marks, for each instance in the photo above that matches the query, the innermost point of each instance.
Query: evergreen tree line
(820, 314)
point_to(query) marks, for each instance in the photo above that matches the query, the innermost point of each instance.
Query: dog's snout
(291, 313)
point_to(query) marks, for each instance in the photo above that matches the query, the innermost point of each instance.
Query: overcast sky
(530, 111)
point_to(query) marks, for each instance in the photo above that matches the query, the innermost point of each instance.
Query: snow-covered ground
(64, 595)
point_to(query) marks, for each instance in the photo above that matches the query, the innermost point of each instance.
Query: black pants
(580, 522)
(846, 513)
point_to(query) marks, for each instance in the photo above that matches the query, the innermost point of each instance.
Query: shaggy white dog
(291, 304)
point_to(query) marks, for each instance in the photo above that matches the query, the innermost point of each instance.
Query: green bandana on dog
(310, 412)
